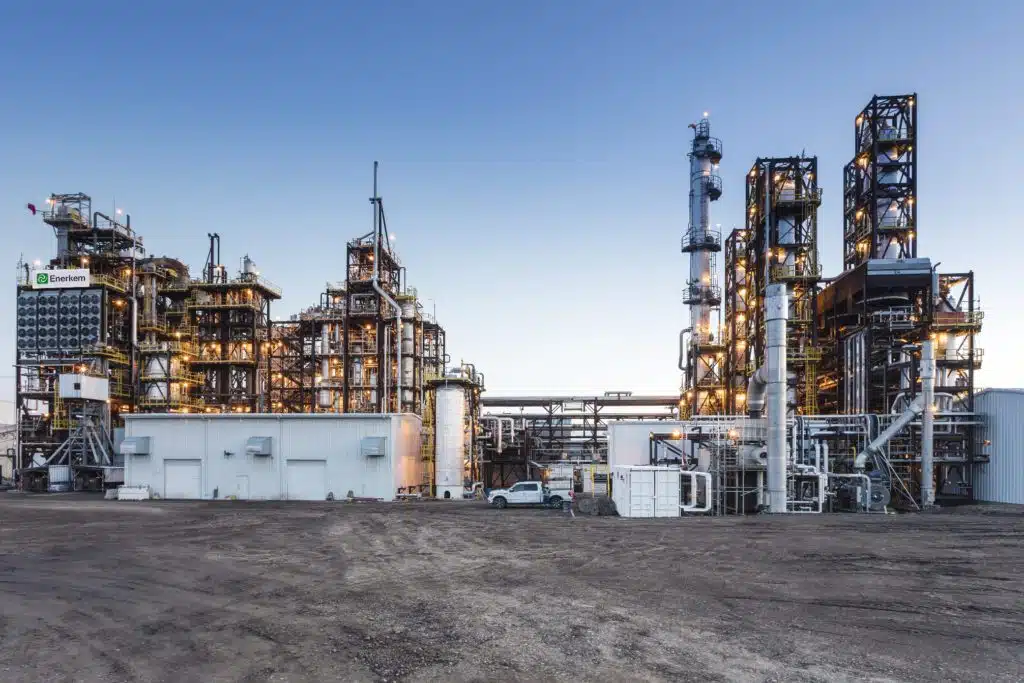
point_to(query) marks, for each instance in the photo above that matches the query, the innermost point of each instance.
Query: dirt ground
(106, 591)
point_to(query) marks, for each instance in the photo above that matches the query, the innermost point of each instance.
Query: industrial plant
(801, 392)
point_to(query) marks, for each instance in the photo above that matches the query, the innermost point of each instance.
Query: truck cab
(529, 493)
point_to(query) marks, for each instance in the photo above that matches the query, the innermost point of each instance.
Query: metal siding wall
(180, 438)
(629, 442)
(334, 441)
(223, 471)
(1001, 480)
(338, 442)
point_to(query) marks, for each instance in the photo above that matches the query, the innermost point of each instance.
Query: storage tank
(449, 440)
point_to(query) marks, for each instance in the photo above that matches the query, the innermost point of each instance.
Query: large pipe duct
(927, 422)
(875, 447)
(776, 314)
(756, 389)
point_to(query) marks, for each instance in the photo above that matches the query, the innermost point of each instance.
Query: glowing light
(118, 212)
(705, 114)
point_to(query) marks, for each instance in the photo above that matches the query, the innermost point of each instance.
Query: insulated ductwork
(875, 447)
(776, 313)
(756, 389)
(927, 422)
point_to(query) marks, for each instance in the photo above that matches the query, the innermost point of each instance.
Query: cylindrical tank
(449, 440)
(156, 366)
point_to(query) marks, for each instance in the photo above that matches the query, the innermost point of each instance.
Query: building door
(242, 487)
(183, 479)
(307, 480)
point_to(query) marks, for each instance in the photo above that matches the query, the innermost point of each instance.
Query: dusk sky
(532, 153)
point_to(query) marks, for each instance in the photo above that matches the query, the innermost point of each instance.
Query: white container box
(84, 387)
(645, 491)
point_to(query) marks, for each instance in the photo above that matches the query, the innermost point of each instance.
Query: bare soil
(105, 591)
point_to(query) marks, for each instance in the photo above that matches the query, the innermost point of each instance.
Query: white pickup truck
(530, 493)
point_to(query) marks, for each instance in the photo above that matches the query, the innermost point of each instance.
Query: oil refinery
(801, 392)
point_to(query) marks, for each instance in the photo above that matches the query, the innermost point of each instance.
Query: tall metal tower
(702, 358)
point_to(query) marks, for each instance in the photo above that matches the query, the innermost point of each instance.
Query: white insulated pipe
(692, 504)
(908, 416)
(927, 423)
(776, 314)
(756, 388)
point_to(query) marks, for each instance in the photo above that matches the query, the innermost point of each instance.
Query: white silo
(449, 440)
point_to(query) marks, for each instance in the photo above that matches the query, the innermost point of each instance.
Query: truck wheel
(500, 503)
(555, 502)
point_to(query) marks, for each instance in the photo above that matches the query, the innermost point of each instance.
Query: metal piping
(927, 422)
(875, 447)
(756, 387)
(682, 348)
(776, 313)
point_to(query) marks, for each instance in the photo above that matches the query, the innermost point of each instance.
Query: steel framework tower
(703, 362)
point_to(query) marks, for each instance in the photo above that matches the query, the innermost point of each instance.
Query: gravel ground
(105, 591)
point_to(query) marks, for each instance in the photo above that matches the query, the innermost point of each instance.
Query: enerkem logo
(60, 278)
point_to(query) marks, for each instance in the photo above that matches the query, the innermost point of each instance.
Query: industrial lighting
(705, 114)
(860, 120)
(675, 433)
(37, 262)
(118, 212)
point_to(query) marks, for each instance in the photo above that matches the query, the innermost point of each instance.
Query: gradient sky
(532, 152)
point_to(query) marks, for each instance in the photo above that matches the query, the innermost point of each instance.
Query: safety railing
(795, 272)
(957, 319)
(696, 239)
(99, 280)
(156, 323)
(790, 196)
(110, 353)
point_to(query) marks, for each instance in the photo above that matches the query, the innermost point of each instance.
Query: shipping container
(1001, 479)
(643, 491)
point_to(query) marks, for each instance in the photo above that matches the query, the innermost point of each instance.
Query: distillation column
(704, 381)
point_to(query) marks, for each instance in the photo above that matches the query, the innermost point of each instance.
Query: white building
(1001, 479)
(273, 456)
(629, 442)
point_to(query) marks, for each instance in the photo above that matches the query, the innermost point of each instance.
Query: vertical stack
(704, 362)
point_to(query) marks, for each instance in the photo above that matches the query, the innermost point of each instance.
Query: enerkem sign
(57, 279)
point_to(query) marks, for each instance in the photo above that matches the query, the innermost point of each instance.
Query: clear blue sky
(533, 152)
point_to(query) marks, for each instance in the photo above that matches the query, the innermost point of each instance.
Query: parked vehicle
(530, 493)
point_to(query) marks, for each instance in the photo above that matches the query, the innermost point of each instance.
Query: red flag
(32, 208)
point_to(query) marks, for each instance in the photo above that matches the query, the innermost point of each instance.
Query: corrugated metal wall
(1001, 480)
